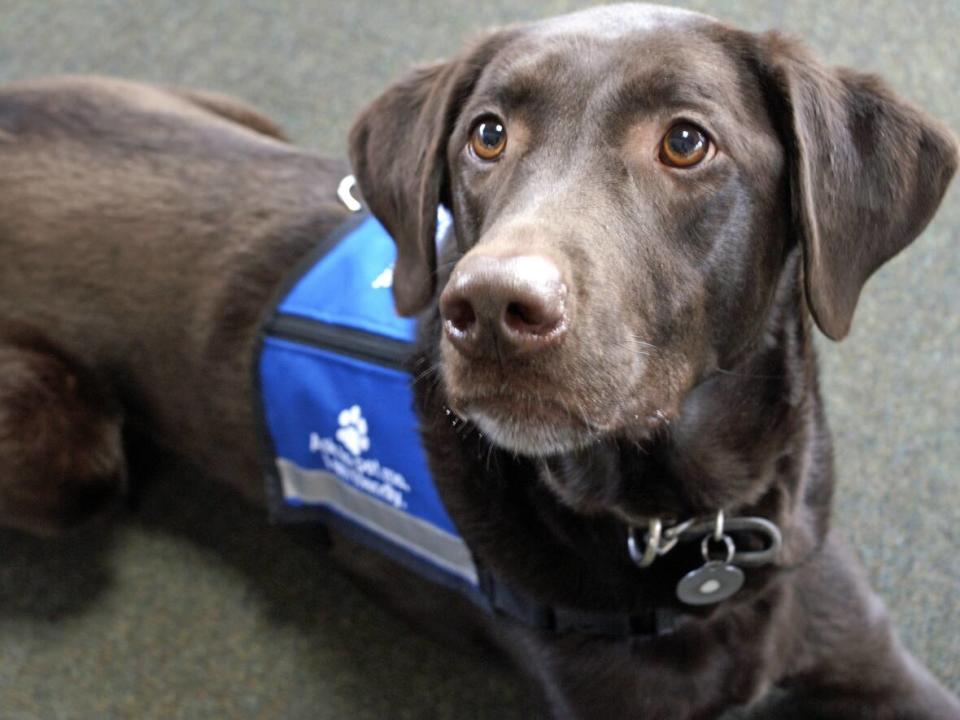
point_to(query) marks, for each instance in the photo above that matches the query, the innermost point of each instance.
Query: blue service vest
(338, 426)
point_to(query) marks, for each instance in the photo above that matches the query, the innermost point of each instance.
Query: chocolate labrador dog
(615, 377)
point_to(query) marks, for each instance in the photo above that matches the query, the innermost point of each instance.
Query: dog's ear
(867, 172)
(397, 149)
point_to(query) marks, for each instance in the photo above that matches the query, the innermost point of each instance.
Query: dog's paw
(62, 462)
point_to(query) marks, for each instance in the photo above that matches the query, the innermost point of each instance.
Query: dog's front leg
(689, 675)
(848, 662)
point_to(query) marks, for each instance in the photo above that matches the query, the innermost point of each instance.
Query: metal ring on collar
(659, 540)
(727, 543)
(718, 527)
(652, 548)
(761, 526)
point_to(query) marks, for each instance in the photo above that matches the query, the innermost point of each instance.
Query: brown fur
(146, 235)
(61, 455)
(686, 378)
(143, 233)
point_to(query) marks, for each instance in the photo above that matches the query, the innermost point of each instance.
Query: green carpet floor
(193, 607)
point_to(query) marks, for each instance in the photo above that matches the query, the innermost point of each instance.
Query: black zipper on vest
(345, 341)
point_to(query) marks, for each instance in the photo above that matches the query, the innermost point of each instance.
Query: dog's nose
(506, 305)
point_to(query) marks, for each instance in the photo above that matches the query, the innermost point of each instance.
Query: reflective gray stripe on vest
(417, 536)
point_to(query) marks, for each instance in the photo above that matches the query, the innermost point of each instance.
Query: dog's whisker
(631, 349)
(431, 370)
(490, 456)
(634, 340)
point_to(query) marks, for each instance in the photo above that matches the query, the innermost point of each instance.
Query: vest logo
(344, 458)
(353, 430)
(383, 280)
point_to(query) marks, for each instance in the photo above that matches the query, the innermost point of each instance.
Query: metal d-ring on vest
(345, 194)
(716, 580)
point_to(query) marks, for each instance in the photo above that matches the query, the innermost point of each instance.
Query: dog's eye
(684, 146)
(488, 139)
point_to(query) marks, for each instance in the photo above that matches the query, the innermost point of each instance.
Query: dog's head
(627, 185)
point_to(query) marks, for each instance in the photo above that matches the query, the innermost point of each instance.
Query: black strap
(519, 607)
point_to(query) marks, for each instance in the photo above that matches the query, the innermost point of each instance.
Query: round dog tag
(712, 583)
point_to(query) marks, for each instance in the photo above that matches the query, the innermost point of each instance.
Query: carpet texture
(193, 607)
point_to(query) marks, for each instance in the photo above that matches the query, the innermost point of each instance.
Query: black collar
(508, 602)
(652, 619)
